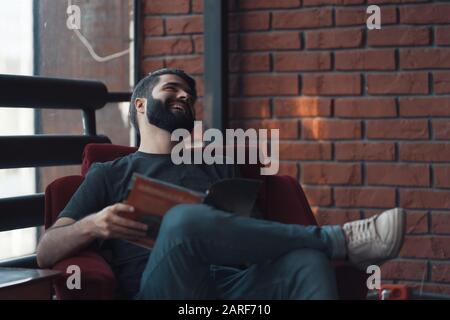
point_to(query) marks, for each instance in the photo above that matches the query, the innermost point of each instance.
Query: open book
(152, 198)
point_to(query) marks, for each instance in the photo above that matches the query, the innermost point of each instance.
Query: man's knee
(187, 220)
(308, 261)
(310, 275)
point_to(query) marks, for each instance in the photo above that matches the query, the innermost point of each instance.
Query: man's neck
(155, 140)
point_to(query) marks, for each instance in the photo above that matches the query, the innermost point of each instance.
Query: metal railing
(46, 150)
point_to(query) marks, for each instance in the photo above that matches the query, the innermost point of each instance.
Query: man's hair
(145, 87)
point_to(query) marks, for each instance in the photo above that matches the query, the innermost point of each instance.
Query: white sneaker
(377, 239)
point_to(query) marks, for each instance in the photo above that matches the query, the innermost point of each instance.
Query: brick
(305, 151)
(302, 107)
(365, 108)
(394, 1)
(398, 83)
(150, 65)
(337, 2)
(403, 270)
(440, 272)
(270, 41)
(249, 21)
(327, 129)
(153, 26)
(199, 108)
(426, 247)
(198, 44)
(429, 58)
(398, 36)
(233, 42)
(370, 151)
(190, 64)
(197, 6)
(442, 176)
(437, 152)
(364, 197)
(424, 199)
(424, 106)
(331, 84)
(166, 7)
(167, 46)
(441, 82)
(441, 129)
(334, 216)
(268, 85)
(397, 129)
(288, 128)
(250, 108)
(334, 39)
(440, 222)
(331, 173)
(234, 84)
(200, 85)
(442, 36)
(318, 196)
(358, 16)
(398, 174)
(425, 14)
(302, 61)
(365, 60)
(232, 5)
(303, 19)
(268, 4)
(288, 169)
(416, 222)
(184, 25)
(249, 62)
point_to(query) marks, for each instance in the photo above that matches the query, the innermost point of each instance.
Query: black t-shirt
(107, 183)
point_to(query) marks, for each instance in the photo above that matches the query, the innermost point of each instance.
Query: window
(74, 39)
(16, 30)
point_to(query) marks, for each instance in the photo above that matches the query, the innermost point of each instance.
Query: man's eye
(170, 88)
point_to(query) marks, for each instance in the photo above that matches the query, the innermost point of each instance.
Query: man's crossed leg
(205, 253)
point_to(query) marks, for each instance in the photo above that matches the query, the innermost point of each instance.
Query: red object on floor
(393, 292)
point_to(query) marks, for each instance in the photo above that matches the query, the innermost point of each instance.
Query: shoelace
(360, 231)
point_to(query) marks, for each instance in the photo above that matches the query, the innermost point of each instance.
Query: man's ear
(140, 104)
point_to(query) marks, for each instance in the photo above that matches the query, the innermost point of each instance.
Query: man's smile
(179, 106)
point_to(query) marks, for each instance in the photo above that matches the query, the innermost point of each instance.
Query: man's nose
(183, 95)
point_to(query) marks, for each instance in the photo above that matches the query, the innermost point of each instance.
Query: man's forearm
(62, 241)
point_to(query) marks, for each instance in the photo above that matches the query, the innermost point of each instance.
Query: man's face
(171, 104)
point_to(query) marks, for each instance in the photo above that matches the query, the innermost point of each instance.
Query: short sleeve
(90, 197)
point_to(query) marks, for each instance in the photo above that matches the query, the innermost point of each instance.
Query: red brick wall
(363, 114)
(173, 37)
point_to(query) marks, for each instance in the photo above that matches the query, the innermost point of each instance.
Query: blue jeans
(204, 253)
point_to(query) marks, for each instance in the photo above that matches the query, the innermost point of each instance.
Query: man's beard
(160, 115)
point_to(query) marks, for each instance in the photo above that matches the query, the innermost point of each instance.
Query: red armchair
(282, 199)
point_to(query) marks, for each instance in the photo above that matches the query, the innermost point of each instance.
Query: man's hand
(108, 224)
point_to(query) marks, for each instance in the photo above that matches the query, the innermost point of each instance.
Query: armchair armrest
(350, 281)
(97, 278)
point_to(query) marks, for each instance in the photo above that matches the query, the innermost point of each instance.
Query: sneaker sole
(400, 220)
